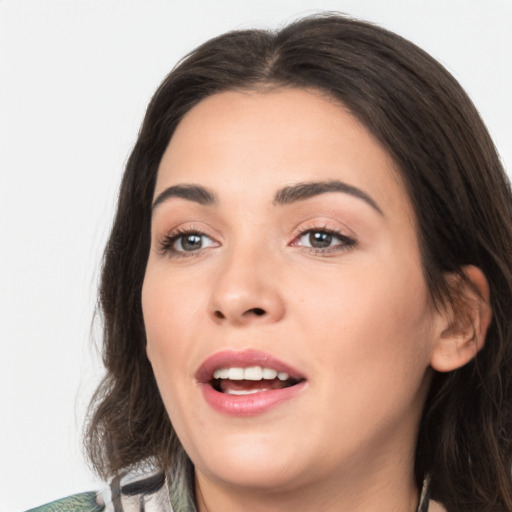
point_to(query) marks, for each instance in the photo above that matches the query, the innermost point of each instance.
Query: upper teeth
(250, 373)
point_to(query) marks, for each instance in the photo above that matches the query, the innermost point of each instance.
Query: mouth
(248, 382)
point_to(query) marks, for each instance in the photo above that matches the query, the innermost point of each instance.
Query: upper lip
(243, 359)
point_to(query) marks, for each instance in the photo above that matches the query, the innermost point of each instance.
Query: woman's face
(283, 241)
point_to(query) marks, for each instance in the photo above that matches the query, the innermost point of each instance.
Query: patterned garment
(138, 490)
(143, 490)
(84, 502)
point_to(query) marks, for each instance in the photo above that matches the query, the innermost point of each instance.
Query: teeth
(244, 392)
(253, 373)
(250, 373)
(236, 374)
(270, 374)
(223, 373)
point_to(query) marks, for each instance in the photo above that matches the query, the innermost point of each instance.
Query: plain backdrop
(75, 78)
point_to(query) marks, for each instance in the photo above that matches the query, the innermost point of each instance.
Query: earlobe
(464, 322)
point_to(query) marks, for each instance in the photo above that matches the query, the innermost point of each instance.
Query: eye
(186, 242)
(191, 242)
(322, 240)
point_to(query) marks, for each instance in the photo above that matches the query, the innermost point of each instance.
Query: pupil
(191, 242)
(320, 239)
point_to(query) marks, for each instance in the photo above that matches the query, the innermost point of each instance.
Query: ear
(463, 322)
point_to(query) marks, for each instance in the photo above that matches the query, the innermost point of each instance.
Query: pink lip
(246, 405)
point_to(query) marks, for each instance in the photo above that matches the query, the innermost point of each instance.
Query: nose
(246, 291)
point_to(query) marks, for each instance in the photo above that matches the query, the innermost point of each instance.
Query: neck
(374, 492)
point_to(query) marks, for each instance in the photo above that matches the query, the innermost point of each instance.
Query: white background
(75, 77)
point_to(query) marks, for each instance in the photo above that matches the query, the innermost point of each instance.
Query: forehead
(275, 138)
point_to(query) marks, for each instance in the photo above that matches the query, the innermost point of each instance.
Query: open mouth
(250, 380)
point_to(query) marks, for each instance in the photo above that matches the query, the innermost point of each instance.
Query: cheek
(376, 318)
(170, 315)
(171, 312)
(368, 341)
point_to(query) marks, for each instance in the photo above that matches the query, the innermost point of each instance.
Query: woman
(307, 287)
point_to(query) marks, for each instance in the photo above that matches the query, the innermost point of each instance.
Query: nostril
(256, 311)
(253, 311)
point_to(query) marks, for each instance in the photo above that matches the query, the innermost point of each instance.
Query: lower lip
(249, 405)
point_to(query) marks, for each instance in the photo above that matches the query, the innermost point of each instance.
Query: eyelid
(165, 242)
(347, 239)
(324, 224)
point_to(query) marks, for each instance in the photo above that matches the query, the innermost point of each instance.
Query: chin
(255, 462)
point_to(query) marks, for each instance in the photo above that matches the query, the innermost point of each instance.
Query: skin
(355, 319)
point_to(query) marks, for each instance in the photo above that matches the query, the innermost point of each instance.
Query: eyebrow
(306, 190)
(194, 193)
(284, 196)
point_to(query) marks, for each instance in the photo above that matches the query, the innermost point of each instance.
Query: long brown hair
(463, 206)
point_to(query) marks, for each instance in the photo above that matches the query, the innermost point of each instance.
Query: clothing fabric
(142, 489)
(145, 490)
(83, 502)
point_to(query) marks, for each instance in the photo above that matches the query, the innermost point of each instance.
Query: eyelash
(345, 242)
(166, 246)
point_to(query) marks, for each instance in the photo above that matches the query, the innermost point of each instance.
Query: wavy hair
(462, 202)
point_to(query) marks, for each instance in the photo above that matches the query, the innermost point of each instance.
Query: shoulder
(141, 487)
(83, 502)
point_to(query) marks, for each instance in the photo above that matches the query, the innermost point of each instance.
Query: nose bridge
(246, 289)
